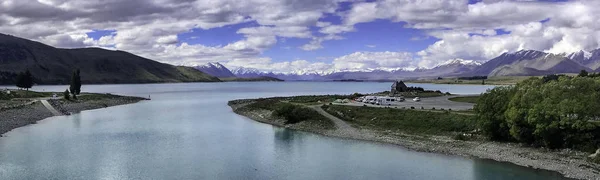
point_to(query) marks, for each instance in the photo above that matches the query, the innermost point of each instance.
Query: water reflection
(492, 170)
(188, 132)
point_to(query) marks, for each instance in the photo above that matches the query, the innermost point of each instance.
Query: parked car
(417, 99)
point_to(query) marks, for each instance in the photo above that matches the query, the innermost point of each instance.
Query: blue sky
(379, 35)
(310, 35)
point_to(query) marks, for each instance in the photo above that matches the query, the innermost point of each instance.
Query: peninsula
(441, 123)
(20, 108)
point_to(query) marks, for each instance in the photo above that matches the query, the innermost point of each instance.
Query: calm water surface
(187, 131)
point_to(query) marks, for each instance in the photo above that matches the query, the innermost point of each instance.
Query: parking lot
(441, 102)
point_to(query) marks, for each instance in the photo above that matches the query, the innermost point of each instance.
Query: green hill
(52, 65)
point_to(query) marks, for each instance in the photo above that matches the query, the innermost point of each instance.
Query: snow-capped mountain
(589, 59)
(453, 62)
(520, 63)
(294, 76)
(215, 69)
(528, 63)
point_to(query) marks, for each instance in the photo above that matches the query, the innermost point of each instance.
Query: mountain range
(520, 63)
(215, 69)
(50, 65)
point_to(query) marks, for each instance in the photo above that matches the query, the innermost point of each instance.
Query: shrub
(294, 113)
(460, 136)
(66, 95)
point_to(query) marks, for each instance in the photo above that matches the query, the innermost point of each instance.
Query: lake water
(187, 131)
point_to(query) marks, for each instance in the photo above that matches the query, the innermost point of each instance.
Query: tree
(583, 73)
(66, 94)
(24, 80)
(490, 108)
(75, 86)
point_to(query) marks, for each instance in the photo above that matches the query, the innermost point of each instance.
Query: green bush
(554, 112)
(66, 95)
(295, 113)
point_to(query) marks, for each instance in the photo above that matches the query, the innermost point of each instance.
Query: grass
(24, 94)
(410, 121)
(275, 104)
(467, 99)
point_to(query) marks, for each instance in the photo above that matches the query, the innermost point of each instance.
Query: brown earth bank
(12, 118)
(570, 163)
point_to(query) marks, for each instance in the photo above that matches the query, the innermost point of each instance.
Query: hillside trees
(561, 113)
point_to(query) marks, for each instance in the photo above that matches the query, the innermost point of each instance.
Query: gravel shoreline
(21, 116)
(569, 163)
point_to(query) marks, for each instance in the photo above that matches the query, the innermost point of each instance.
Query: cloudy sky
(309, 35)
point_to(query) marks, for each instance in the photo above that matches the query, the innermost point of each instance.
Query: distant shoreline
(30, 113)
(570, 164)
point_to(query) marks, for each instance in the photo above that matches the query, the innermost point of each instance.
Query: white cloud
(374, 61)
(150, 27)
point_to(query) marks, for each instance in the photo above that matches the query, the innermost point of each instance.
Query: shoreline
(12, 118)
(569, 163)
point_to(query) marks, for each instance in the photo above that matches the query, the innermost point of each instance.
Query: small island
(489, 126)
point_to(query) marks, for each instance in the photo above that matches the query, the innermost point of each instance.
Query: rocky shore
(29, 114)
(571, 164)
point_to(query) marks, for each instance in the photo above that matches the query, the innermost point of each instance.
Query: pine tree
(75, 86)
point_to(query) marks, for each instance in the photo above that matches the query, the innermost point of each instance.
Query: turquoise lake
(187, 131)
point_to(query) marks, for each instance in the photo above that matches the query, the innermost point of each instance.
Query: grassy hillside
(52, 65)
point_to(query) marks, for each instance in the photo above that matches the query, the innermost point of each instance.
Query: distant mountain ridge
(52, 65)
(520, 63)
(215, 69)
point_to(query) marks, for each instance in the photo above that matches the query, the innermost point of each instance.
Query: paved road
(426, 103)
(50, 108)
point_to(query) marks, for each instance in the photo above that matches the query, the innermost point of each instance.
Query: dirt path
(340, 124)
(50, 108)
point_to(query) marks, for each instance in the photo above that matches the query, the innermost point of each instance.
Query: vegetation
(583, 73)
(24, 80)
(467, 99)
(554, 111)
(75, 86)
(23, 94)
(413, 121)
(66, 95)
(295, 113)
(473, 78)
(292, 113)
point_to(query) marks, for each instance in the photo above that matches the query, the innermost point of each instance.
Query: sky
(309, 35)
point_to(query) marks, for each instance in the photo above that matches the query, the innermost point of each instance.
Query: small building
(398, 87)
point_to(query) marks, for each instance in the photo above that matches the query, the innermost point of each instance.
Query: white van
(388, 101)
(370, 99)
